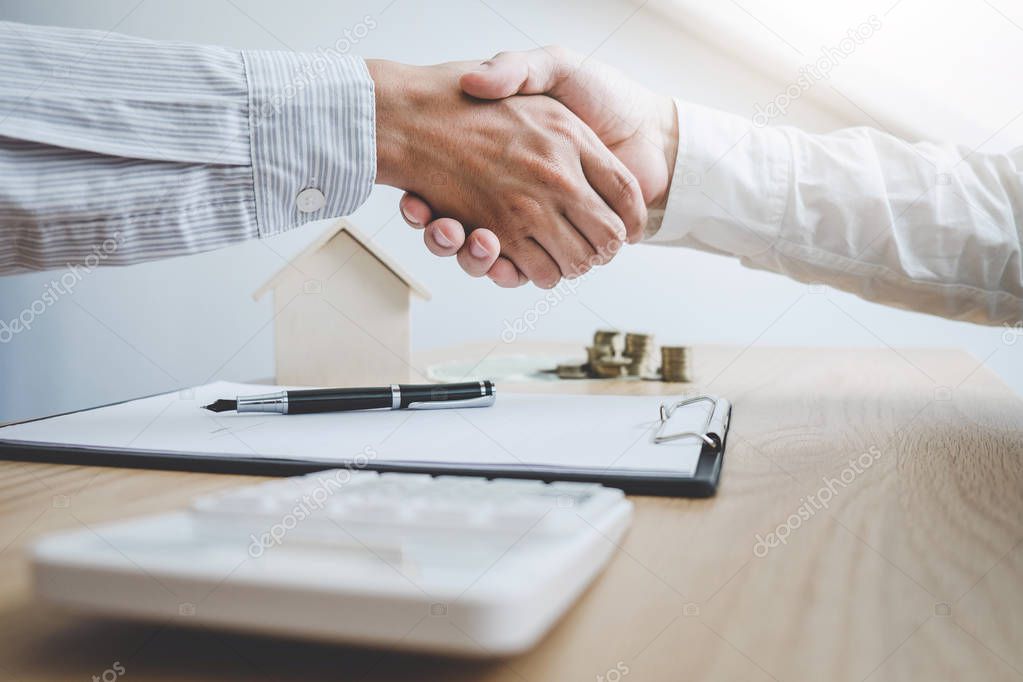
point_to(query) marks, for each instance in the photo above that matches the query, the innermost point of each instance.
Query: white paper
(519, 430)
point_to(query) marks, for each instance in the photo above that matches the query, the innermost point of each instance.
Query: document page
(519, 430)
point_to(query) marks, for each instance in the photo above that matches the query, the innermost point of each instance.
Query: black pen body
(307, 401)
(394, 397)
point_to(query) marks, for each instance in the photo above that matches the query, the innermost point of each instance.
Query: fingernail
(409, 219)
(442, 239)
(477, 250)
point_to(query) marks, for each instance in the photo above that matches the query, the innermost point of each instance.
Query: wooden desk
(913, 570)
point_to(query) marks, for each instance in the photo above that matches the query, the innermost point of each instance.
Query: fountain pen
(393, 397)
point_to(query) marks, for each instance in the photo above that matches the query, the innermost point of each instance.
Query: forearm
(913, 226)
(166, 149)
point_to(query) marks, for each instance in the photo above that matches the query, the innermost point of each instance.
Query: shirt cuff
(730, 186)
(312, 130)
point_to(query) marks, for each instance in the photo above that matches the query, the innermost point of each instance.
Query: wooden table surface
(911, 568)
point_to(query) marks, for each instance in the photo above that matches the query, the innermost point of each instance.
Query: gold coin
(572, 371)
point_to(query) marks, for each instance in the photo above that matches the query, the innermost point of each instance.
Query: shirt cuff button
(310, 200)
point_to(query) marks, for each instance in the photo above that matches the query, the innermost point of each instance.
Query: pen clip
(477, 401)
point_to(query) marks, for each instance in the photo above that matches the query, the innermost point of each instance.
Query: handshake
(531, 166)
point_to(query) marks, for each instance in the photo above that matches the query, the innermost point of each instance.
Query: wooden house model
(341, 313)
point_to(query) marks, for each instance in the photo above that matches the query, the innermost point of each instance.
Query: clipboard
(710, 434)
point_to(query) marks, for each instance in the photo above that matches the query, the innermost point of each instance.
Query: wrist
(390, 83)
(668, 129)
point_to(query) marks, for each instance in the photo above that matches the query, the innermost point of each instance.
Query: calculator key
(414, 501)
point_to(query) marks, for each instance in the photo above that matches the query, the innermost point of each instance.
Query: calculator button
(417, 503)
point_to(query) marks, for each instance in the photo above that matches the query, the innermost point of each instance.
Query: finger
(601, 228)
(534, 262)
(617, 187)
(569, 249)
(480, 251)
(530, 72)
(504, 274)
(444, 237)
(590, 213)
(415, 210)
(580, 84)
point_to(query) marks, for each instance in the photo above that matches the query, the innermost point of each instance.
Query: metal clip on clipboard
(717, 417)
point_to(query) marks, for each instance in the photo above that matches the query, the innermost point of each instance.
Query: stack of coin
(609, 341)
(604, 363)
(642, 353)
(570, 371)
(615, 354)
(594, 354)
(675, 363)
(610, 368)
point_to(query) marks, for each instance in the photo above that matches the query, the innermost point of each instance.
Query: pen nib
(222, 405)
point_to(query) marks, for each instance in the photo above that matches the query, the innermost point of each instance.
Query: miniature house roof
(363, 241)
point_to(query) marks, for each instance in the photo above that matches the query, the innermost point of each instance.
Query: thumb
(532, 72)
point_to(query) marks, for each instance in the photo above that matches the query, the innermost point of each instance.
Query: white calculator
(446, 564)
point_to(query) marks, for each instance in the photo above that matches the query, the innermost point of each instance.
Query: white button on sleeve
(313, 128)
(310, 200)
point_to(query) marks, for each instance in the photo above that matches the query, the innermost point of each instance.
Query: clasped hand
(542, 194)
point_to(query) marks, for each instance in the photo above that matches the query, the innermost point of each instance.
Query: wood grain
(912, 570)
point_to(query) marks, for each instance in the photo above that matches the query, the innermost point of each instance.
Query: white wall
(153, 327)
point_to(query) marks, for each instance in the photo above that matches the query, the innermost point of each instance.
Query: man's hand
(636, 124)
(525, 167)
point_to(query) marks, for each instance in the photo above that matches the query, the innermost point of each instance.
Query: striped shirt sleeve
(122, 150)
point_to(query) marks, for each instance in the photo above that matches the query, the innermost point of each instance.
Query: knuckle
(567, 129)
(612, 229)
(514, 243)
(606, 255)
(628, 187)
(564, 184)
(603, 256)
(561, 123)
(565, 60)
(550, 115)
(581, 267)
(630, 196)
(522, 207)
(542, 272)
(548, 278)
(547, 170)
(521, 109)
(610, 243)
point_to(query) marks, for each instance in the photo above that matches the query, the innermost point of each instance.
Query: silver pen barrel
(276, 403)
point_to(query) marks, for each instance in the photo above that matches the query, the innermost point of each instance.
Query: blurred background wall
(939, 70)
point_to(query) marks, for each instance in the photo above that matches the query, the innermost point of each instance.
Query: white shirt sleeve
(927, 227)
(120, 150)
